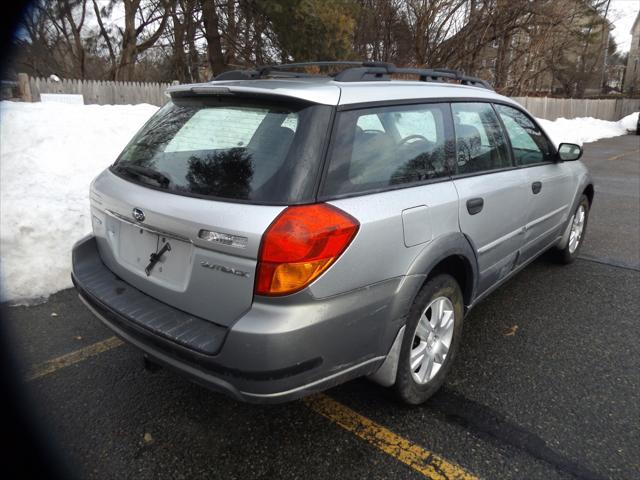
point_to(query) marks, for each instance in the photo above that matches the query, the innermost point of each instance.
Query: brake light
(300, 244)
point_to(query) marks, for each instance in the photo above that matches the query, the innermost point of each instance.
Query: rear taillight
(300, 244)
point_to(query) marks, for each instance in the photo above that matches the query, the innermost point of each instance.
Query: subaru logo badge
(138, 215)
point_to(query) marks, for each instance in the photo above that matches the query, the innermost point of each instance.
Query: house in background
(632, 75)
(614, 77)
(566, 58)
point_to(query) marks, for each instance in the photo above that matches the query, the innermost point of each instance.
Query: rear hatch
(181, 213)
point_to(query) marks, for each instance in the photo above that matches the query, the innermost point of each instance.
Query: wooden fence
(119, 93)
(605, 109)
(95, 91)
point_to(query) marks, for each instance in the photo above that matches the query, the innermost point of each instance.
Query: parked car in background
(271, 234)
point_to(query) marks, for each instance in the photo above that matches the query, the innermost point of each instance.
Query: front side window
(528, 143)
(230, 149)
(370, 123)
(387, 147)
(480, 143)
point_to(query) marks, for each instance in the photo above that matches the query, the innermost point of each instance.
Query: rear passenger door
(550, 185)
(492, 192)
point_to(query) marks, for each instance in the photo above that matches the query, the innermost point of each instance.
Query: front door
(492, 194)
(549, 183)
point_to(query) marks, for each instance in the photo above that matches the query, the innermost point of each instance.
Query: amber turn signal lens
(300, 244)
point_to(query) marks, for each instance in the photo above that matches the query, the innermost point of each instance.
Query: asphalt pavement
(546, 385)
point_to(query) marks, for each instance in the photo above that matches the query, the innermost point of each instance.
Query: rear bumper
(278, 351)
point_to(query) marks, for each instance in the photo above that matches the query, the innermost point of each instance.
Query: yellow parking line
(421, 460)
(57, 363)
(623, 154)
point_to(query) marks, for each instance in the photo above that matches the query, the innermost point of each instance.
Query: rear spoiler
(313, 93)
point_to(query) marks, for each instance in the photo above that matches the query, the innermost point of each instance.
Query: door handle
(474, 205)
(536, 187)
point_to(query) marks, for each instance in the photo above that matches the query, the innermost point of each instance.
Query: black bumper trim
(105, 289)
(155, 339)
(193, 358)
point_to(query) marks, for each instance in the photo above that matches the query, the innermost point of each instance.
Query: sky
(623, 13)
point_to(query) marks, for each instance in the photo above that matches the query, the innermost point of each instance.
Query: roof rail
(356, 72)
(280, 70)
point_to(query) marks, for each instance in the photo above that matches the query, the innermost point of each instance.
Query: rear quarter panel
(379, 250)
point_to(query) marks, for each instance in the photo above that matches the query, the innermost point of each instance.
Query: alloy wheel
(577, 228)
(432, 340)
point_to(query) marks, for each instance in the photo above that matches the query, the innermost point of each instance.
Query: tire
(408, 385)
(570, 251)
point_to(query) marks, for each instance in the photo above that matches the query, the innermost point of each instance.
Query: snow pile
(587, 129)
(49, 153)
(630, 122)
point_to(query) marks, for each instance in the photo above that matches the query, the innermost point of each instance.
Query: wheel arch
(589, 192)
(459, 267)
(586, 188)
(452, 254)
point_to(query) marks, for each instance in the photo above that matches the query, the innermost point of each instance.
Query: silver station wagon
(273, 233)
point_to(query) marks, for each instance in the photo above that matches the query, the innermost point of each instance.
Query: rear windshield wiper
(161, 178)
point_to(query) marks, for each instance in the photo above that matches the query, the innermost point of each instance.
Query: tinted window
(480, 143)
(387, 147)
(226, 148)
(527, 141)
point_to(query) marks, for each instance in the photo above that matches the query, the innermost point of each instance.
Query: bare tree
(192, 20)
(431, 24)
(104, 33)
(144, 23)
(211, 27)
(52, 38)
(138, 19)
(70, 29)
(574, 50)
(37, 42)
(382, 32)
(519, 45)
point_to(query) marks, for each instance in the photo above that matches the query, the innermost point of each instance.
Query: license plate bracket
(139, 246)
(136, 246)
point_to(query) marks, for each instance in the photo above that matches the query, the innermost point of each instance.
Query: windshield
(226, 148)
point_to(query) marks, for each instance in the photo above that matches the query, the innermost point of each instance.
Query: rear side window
(528, 143)
(228, 149)
(480, 144)
(387, 147)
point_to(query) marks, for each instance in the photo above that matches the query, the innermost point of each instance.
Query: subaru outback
(274, 233)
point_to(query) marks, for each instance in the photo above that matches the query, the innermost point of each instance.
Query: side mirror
(569, 151)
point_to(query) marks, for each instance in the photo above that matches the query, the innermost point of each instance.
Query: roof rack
(355, 72)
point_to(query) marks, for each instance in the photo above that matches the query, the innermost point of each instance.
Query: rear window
(229, 149)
